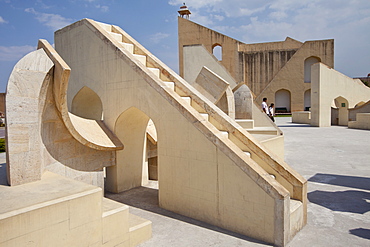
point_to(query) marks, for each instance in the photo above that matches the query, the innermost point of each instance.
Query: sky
(153, 23)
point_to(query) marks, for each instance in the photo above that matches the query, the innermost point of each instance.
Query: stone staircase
(57, 211)
(271, 174)
(186, 98)
(134, 229)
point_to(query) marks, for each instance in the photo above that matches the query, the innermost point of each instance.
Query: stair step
(156, 71)
(106, 27)
(296, 216)
(294, 205)
(141, 58)
(128, 47)
(225, 133)
(263, 130)
(187, 99)
(140, 230)
(245, 123)
(205, 116)
(116, 36)
(111, 207)
(170, 84)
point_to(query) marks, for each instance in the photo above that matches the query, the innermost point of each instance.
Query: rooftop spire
(184, 11)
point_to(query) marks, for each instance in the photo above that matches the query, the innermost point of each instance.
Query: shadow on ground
(340, 180)
(352, 201)
(360, 232)
(147, 199)
(295, 125)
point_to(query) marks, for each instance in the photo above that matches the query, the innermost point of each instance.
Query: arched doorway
(131, 169)
(342, 105)
(282, 101)
(307, 100)
(152, 150)
(87, 104)
(217, 51)
(307, 67)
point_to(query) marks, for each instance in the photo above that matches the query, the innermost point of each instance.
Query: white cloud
(14, 53)
(229, 8)
(103, 8)
(2, 20)
(205, 20)
(278, 15)
(41, 4)
(53, 21)
(260, 31)
(195, 4)
(218, 17)
(158, 37)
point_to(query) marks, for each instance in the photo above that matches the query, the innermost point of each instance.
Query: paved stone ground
(336, 163)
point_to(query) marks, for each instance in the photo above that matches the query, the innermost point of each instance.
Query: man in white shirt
(264, 106)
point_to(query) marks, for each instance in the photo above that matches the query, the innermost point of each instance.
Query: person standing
(272, 112)
(264, 106)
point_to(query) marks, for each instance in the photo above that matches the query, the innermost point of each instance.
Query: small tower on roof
(184, 11)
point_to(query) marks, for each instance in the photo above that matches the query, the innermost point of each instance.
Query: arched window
(307, 67)
(217, 51)
(87, 104)
(282, 101)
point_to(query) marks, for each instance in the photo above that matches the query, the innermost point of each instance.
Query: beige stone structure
(328, 85)
(42, 136)
(203, 169)
(279, 71)
(57, 211)
(336, 99)
(234, 99)
(209, 167)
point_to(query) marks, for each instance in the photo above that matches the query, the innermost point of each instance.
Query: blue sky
(154, 25)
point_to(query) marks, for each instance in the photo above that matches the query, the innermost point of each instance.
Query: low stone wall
(362, 121)
(57, 211)
(303, 117)
(352, 113)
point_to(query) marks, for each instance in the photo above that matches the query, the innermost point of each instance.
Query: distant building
(280, 71)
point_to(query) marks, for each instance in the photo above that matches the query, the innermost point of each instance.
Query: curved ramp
(91, 133)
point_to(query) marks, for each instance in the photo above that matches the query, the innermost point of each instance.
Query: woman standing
(271, 112)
